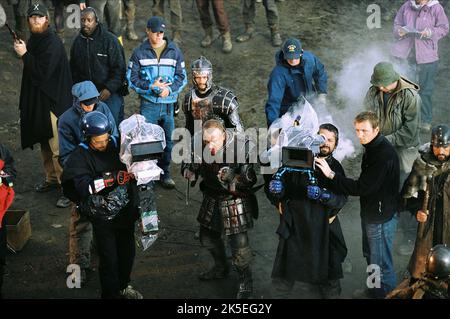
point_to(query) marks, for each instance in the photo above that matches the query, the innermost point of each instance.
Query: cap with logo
(37, 9)
(156, 24)
(292, 49)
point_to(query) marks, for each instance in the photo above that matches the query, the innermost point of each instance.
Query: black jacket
(84, 165)
(8, 167)
(46, 86)
(378, 184)
(98, 58)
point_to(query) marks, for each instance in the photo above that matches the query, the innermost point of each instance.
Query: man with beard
(229, 203)
(377, 187)
(113, 14)
(85, 100)
(311, 247)
(45, 93)
(96, 55)
(207, 98)
(430, 178)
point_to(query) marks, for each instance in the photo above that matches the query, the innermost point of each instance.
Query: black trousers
(116, 251)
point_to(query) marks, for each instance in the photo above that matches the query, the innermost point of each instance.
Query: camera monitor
(146, 151)
(297, 157)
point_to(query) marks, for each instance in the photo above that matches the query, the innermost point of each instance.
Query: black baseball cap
(156, 24)
(37, 9)
(292, 49)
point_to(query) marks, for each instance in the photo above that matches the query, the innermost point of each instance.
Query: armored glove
(317, 193)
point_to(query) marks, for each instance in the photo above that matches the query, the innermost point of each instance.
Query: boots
(207, 40)
(275, 36)
(220, 269)
(245, 284)
(247, 35)
(177, 38)
(227, 46)
(130, 14)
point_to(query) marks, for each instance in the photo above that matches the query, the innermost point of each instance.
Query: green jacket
(400, 121)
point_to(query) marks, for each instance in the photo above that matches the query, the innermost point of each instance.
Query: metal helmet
(440, 135)
(94, 124)
(202, 66)
(438, 262)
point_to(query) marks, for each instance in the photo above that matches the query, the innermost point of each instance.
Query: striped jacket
(144, 68)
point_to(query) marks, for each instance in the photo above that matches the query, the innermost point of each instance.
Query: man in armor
(206, 99)
(426, 193)
(229, 203)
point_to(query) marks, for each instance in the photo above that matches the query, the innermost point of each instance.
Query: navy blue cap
(292, 49)
(156, 24)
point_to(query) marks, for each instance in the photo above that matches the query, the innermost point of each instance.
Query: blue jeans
(377, 249)
(427, 75)
(161, 114)
(116, 106)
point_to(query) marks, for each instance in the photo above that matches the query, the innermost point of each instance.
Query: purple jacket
(430, 16)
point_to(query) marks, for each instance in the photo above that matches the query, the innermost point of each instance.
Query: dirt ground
(333, 30)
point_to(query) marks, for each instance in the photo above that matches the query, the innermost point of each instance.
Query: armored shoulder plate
(225, 101)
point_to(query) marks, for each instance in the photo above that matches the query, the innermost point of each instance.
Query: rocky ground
(336, 31)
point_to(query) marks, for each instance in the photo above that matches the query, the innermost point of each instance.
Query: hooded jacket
(431, 16)
(144, 68)
(400, 120)
(287, 84)
(98, 58)
(69, 130)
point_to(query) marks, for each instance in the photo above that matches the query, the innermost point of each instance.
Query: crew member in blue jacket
(86, 99)
(157, 73)
(297, 73)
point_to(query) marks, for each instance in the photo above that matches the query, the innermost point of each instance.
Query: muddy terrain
(336, 31)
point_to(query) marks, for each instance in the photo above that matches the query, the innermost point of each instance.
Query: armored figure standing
(229, 203)
(205, 99)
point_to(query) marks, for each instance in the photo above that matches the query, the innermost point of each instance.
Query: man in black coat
(311, 247)
(96, 55)
(377, 187)
(89, 181)
(45, 93)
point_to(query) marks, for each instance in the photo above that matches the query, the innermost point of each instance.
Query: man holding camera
(377, 187)
(229, 203)
(91, 180)
(311, 247)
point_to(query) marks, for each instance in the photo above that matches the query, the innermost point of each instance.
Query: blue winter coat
(284, 84)
(69, 130)
(144, 68)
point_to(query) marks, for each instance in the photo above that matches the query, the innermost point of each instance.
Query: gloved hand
(316, 193)
(276, 187)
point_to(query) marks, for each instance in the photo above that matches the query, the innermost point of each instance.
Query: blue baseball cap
(292, 49)
(156, 24)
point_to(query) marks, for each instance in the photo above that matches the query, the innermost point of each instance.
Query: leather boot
(247, 35)
(227, 46)
(275, 36)
(220, 269)
(207, 40)
(245, 290)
